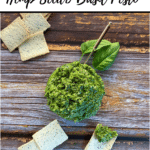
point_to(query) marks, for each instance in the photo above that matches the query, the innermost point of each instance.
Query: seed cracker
(50, 136)
(14, 34)
(35, 23)
(33, 47)
(29, 146)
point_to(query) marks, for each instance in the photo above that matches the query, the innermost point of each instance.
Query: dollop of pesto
(104, 134)
(74, 91)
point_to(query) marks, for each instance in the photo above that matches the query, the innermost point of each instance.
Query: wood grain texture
(74, 144)
(125, 107)
(73, 131)
(129, 29)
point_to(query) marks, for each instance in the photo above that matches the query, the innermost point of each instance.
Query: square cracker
(25, 14)
(14, 34)
(35, 23)
(29, 146)
(33, 47)
(50, 136)
(96, 145)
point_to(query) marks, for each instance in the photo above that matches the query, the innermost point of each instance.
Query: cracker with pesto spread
(29, 146)
(103, 138)
(33, 47)
(96, 145)
(50, 136)
(14, 34)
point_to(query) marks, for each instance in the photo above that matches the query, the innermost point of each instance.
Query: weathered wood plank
(73, 130)
(124, 60)
(128, 29)
(126, 83)
(115, 112)
(74, 144)
(64, 37)
(80, 37)
(123, 22)
(71, 47)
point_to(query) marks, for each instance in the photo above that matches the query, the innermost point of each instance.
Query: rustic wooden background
(125, 106)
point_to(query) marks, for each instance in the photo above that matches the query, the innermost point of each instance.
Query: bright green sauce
(104, 134)
(74, 91)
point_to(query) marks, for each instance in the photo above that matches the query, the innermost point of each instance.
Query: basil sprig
(105, 53)
(87, 47)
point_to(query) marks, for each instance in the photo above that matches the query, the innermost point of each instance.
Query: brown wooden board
(74, 144)
(129, 29)
(125, 107)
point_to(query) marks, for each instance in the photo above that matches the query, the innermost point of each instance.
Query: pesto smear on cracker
(74, 91)
(104, 134)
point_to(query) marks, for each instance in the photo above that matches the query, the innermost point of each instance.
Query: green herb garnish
(87, 47)
(105, 53)
(104, 134)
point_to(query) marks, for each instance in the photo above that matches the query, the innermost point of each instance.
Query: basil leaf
(87, 47)
(105, 57)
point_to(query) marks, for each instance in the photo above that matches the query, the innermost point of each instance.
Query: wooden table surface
(125, 107)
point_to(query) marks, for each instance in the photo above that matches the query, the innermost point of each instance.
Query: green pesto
(104, 134)
(74, 91)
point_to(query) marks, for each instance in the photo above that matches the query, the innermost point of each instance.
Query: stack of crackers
(47, 138)
(27, 35)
